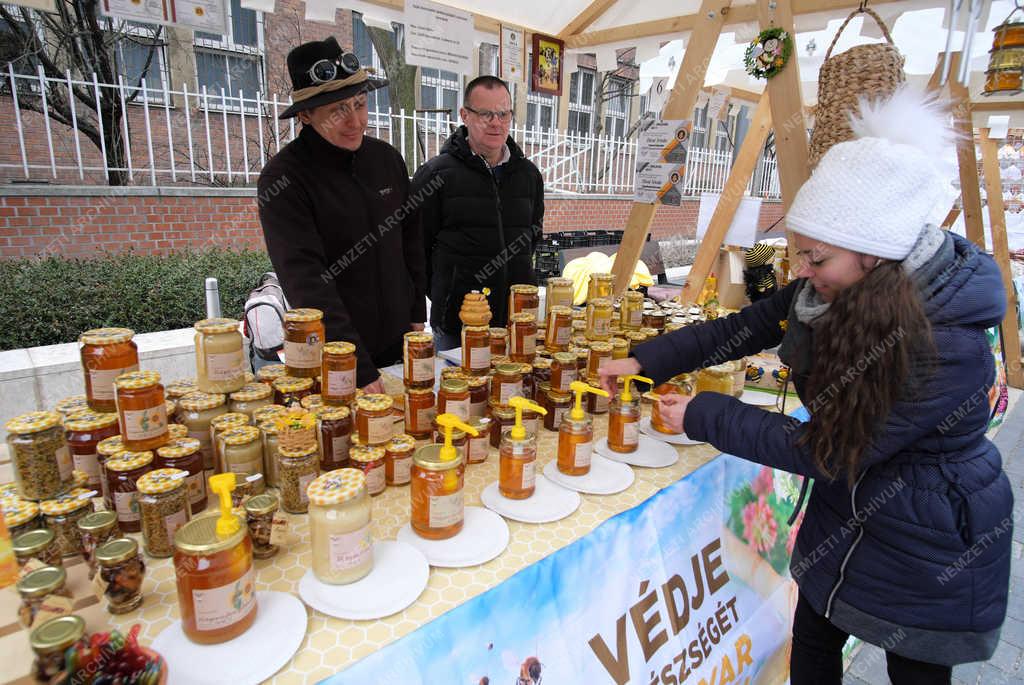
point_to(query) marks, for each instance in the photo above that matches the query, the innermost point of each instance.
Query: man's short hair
(489, 82)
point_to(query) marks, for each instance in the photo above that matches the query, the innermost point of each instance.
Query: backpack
(264, 318)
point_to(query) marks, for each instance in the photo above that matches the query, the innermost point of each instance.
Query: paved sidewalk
(1007, 664)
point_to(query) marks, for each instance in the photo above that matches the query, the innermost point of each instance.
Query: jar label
(88, 464)
(636, 318)
(480, 357)
(422, 369)
(303, 355)
(562, 335)
(196, 485)
(446, 510)
(245, 468)
(600, 404)
(351, 550)
(127, 506)
(304, 482)
(531, 310)
(379, 429)
(401, 469)
(531, 425)
(341, 383)
(64, 463)
(173, 522)
(143, 424)
(375, 479)
(510, 390)
(558, 413)
(478, 448)
(529, 474)
(101, 381)
(458, 408)
(565, 379)
(226, 366)
(529, 344)
(631, 433)
(602, 325)
(224, 606)
(477, 409)
(581, 455)
(339, 447)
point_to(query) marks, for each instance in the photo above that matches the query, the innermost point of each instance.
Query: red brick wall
(85, 226)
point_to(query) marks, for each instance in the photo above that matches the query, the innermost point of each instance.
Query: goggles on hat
(326, 70)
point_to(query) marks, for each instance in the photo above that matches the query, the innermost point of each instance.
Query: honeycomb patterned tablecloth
(332, 644)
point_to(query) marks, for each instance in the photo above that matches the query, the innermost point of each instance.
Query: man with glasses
(480, 230)
(334, 203)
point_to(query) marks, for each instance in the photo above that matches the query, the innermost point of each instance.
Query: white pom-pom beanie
(876, 193)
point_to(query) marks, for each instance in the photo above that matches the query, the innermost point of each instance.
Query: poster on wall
(41, 5)
(690, 586)
(149, 11)
(210, 16)
(661, 161)
(546, 63)
(512, 53)
(743, 229)
(438, 37)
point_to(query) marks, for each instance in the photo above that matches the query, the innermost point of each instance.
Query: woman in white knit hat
(906, 539)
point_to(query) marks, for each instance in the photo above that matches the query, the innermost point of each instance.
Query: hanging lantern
(1005, 71)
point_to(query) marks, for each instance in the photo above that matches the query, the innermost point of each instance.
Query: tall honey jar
(600, 285)
(522, 337)
(218, 427)
(106, 353)
(83, 432)
(599, 319)
(523, 299)
(338, 373)
(453, 398)
(499, 342)
(620, 348)
(418, 359)
(600, 354)
(220, 363)
(123, 473)
(506, 383)
(631, 310)
(374, 423)
(518, 455)
(398, 459)
(436, 494)
(340, 515)
(479, 395)
(141, 410)
(164, 508)
(303, 342)
(197, 411)
(563, 371)
(476, 350)
(242, 451)
(559, 329)
(370, 461)
(558, 293)
(334, 430)
(40, 456)
(419, 412)
(213, 564)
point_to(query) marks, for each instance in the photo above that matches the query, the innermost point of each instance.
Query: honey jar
(218, 427)
(40, 456)
(106, 353)
(499, 342)
(268, 434)
(303, 342)
(121, 570)
(506, 383)
(522, 337)
(476, 350)
(61, 515)
(338, 373)
(164, 508)
(334, 430)
(599, 318)
(71, 405)
(20, 516)
(289, 391)
(596, 404)
(654, 319)
(340, 515)
(296, 469)
(601, 285)
(559, 329)
(716, 379)
(269, 373)
(369, 460)
(49, 641)
(83, 431)
(563, 371)
(123, 473)
(479, 395)
(419, 412)
(96, 529)
(311, 402)
(453, 398)
(620, 348)
(523, 299)
(40, 544)
(250, 398)
(558, 293)
(242, 451)
(518, 455)
(502, 417)
(141, 410)
(631, 310)
(196, 411)
(657, 422)
(374, 424)
(220, 363)
(185, 454)
(558, 403)
(418, 359)
(175, 390)
(600, 353)
(436, 493)
(398, 459)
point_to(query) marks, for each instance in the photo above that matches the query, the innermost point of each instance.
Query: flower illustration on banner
(764, 483)
(793, 530)
(760, 528)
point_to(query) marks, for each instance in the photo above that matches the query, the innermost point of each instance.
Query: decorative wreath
(768, 53)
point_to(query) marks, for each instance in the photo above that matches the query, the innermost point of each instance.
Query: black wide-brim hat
(308, 95)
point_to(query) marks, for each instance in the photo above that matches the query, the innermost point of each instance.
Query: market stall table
(332, 644)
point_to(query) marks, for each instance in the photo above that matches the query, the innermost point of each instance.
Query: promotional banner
(202, 15)
(692, 586)
(438, 36)
(661, 161)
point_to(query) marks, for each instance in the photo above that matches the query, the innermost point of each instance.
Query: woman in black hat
(340, 227)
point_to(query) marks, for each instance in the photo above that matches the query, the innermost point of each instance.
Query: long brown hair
(871, 348)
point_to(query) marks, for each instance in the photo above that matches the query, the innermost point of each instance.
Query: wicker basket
(871, 71)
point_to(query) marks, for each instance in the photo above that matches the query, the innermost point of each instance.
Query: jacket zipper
(501, 228)
(849, 552)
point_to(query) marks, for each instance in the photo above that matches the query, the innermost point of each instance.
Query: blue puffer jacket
(917, 554)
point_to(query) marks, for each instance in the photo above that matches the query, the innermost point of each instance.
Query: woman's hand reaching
(673, 411)
(610, 372)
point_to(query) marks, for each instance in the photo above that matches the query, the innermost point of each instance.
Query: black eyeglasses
(487, 115)
(326, 70)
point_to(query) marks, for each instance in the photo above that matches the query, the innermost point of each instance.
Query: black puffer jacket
(480, 229)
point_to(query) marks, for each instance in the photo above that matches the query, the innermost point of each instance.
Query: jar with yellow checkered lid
(20, 515)
(219, 426)
(105, 449)
(398, 459)
(311, 402)
(123, 472)
(271, 463)
(71, 405)
(267, 413)
(164, 507)
(339, 526)
(243, 451)
(83, 431)
(334, 433)
(141, 410)
(186, 454)
(40, 455)
(374, 423)
(195, 411)
(296, 469)
(177, 389)
(269, 373)
(106, 353)
(289, 390)
(303, 342)
(369, 459)
(220, 363)
(61, 515)
(251, 397)
(338, 373)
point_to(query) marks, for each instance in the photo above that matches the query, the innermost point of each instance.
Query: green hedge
(52, 300)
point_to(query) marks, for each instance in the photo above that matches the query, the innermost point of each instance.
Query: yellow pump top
(579, 387)
(222, 484)
(627, 395)
(519, 404)
(449, 422)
